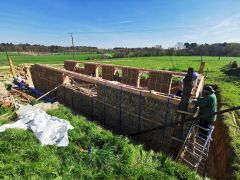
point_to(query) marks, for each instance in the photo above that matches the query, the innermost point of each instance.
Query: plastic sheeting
(49, 130)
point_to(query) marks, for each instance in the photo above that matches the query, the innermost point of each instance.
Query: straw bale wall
(70, 65)
(132, 113)
(119, 110)
(45, 79)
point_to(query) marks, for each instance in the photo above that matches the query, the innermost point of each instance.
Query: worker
(180, 88)
(207, 105)
(194, 79)
(116, 76)
(194, 83)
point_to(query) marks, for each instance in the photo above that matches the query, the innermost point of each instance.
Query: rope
(166, 115)
(92, 107)
(139, 112)
(129, 113)
(104, 105)
(120, 112)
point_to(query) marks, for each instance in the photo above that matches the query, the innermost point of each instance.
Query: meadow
(112, 155)
(57, 58)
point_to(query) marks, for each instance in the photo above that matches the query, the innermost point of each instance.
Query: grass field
(107, 161)
(43, 59)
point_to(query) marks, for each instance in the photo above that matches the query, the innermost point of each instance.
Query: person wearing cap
(207, 105)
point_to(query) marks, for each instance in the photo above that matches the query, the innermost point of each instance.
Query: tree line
(37, 48)
(183, 49)
(180, 49)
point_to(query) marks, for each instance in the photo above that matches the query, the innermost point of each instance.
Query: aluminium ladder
(194, 151)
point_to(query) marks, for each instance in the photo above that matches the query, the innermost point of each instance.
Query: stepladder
(195, 149)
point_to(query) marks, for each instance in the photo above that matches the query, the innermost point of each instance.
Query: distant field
(43, 59)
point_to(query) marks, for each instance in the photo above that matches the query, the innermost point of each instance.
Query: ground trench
(221, 155)
(79, 100)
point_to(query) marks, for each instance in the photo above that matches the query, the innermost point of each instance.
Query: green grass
(228, 83)
(113, 157)
(43, 59)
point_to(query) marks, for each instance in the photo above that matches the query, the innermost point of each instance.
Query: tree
(179, 47)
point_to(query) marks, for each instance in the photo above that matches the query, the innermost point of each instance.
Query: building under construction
(138, 103)
(126, 104)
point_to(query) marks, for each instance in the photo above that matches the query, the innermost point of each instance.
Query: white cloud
(122, 22)
(229, 24)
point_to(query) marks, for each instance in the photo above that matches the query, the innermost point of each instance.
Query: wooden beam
(185, 112)
(49, 92)
(177, 139)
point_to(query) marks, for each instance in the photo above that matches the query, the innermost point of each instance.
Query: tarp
(49, 130)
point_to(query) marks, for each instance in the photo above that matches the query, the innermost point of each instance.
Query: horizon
(108, 24)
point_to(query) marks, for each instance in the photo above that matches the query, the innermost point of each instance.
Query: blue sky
(119, 23)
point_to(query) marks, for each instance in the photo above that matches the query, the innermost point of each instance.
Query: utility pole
(73, 50)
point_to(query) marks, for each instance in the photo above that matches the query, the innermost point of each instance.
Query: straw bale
(108, 72)
(159, 81)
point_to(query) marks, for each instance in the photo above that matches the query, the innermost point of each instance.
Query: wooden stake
(49, 92)
(13, 101)
(11, 67)
(201, 68)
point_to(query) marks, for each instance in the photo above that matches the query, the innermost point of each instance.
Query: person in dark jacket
(207, 105)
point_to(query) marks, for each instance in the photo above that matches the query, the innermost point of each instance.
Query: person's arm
(201, 102)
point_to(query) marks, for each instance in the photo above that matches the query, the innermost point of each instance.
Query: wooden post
(11, 67)
(138, 80)
(183, 106)
(201, 68)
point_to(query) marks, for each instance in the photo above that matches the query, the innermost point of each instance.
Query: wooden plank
(200, 86)
(185, 112)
